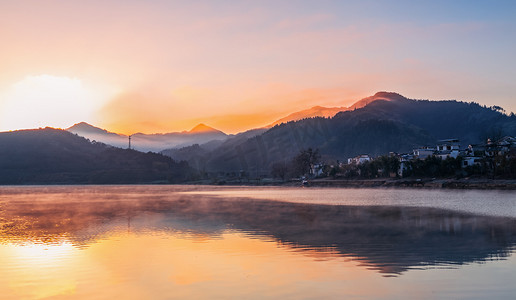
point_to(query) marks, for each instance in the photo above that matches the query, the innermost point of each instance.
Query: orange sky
(165, 66)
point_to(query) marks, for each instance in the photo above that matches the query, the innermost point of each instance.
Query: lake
(208, 242)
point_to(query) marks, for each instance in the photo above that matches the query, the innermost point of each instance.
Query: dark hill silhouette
(469, 122)
(57, 156)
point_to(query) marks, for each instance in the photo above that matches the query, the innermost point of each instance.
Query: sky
(161, 66)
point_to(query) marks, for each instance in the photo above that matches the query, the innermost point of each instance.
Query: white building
(448, 148)
(317, 169)
(359, 159)
(450, 144)
(423, 152)
(469, 161)
(403, 163)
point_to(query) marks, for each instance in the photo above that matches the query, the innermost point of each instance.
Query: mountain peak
(202, 128)
(388, 96)
(328, 112)
(382, 95)
(385, 94)
(84, 127)
(81, 125)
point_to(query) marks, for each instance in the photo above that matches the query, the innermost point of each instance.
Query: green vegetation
(383, 166)
(304, 162)
(434, 167)
(301, 165)
(499, 167)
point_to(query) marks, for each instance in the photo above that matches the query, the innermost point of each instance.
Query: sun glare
(46, 100)
(42, 254)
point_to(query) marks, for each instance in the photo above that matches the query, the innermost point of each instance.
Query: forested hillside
(382, 126)
(57, 156)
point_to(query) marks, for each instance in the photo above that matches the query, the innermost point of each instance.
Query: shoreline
(478, 184)
(482, 184)
(470, 184)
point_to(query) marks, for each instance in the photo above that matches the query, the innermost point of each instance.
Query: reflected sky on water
(209, 242)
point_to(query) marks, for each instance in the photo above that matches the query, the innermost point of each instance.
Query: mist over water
(164, 242)
(482, 202)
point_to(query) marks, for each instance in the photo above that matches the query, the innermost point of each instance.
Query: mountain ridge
(384, 124)
(149, 142)
(328, 112)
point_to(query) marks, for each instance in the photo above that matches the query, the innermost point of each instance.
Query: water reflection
(388, 239)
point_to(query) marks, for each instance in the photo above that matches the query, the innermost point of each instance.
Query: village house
(359, 159)
(444, 149)
(450, 144)
(404, 158)
(505, 145)
(468, 161)
(423, 152)
(448, 148)
(317, 169)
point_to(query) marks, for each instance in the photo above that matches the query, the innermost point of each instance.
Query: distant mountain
(202, 128)
(87, 128)
(329, 112)
(383, 123)
(100, 135)
(202, 134)
(196, 155)
(52, 156)
(149, 142)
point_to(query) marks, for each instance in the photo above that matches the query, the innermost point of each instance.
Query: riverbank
(480, 184)
(477, 183)
(484, 184)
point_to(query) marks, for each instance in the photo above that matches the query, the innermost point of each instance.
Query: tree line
(388, 166)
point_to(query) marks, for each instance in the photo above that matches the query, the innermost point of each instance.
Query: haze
(164, 66)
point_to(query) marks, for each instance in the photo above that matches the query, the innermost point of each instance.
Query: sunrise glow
(46, 100)
(242, 66)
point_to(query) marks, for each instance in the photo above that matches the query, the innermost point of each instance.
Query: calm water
(178, 242)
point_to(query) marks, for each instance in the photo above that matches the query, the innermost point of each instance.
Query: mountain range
(377, 125)
(149, 142)
(202, 133)
(385, 122)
